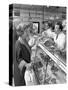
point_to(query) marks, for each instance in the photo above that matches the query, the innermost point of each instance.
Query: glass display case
(49, 65)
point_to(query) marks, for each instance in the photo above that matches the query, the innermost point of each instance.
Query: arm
(21, 56)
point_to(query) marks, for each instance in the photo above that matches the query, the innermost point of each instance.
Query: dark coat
(21, 53)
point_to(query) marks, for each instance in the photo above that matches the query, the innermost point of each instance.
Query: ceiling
(51, 9)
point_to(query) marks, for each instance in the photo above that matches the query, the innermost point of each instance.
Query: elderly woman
(23, 57)
(23, 54)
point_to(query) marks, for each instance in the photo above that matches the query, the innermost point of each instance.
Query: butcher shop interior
(39, 44)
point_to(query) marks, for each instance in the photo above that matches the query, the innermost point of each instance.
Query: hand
(22, 63)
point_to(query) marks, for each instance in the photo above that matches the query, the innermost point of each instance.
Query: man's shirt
(60, 40)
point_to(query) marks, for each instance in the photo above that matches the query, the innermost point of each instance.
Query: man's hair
(60, 25)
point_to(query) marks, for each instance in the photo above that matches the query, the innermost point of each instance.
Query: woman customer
(23, 54)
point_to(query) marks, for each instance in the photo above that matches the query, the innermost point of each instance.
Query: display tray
(57, 53)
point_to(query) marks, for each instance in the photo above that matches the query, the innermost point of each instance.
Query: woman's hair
(25, 28)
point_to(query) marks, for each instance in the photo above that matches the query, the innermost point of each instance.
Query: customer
(23, 54)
